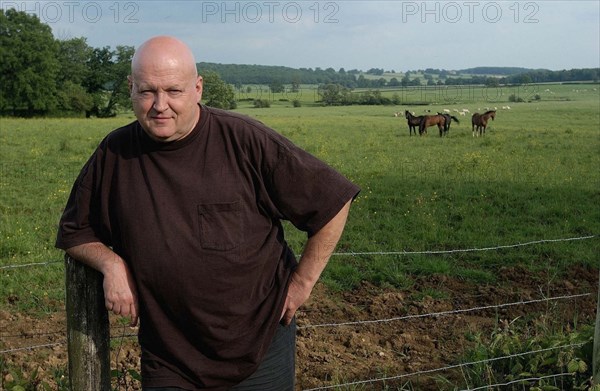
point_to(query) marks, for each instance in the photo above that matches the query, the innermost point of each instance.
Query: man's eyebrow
(147, 86)
(144, 86)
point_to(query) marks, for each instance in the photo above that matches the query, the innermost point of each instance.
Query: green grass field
(534, 176)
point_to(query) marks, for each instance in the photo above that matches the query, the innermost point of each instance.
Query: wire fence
(358, 323)
(450, 367)
(371, 253)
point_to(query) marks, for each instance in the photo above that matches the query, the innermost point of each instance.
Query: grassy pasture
(535, 175)
(433, 97)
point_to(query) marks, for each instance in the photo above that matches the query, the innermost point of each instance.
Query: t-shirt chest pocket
(220, 225)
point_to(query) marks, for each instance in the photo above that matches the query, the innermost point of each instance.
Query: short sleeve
(78, 224)
(307, 191)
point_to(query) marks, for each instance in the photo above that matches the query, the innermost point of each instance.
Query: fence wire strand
(443, 313)
(434, 370)
(351, 253)
(465, 250)
(530, 379)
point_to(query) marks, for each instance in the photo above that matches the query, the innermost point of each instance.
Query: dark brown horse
(413, 122)
(432, 120)
(449, 118)
(479, 121)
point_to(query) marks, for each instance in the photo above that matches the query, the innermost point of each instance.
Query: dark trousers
(276, 372)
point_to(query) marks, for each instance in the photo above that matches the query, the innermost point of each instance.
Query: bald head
(165, 88)
(164, 52)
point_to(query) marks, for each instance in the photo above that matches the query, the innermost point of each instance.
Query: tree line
(266, 75)
(41, 75)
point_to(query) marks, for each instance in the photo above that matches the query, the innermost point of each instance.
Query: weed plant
(543, 361)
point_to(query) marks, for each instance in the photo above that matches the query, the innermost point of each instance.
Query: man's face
(165, 100)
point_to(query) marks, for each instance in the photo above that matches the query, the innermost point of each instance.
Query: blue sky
(393, 35)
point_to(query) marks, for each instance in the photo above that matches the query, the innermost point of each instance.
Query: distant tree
(261, 103)
(362, 82)
(375, 71)
(106, 80)
(217, 93)
(524, 79)
(276, 86)
(73, 98)
(28, 64)
(394, 82)
(98, 79)
(119, 86)
(515, 98)
(295, 86)
(332, 94)
(373, 97)
(492, 82)
(73, 55)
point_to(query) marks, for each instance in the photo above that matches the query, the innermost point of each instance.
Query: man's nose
(160, 102)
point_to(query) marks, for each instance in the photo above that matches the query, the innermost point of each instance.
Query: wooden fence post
(88, 330)
(596, 358)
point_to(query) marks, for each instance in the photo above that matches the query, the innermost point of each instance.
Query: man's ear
(199, 87)
(130, 83)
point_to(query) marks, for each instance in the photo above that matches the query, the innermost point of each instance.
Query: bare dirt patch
(391, 333)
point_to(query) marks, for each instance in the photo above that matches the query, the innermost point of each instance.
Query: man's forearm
(96, 255)
(316, 254)
(319, 247)
(120, 292)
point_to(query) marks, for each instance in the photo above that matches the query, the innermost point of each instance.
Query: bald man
(181, 212)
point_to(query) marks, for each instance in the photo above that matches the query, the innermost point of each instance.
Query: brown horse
(432, 120)
(413, 122)
(449, 118)
(479, 122)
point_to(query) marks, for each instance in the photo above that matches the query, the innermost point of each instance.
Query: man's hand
(120, 293)
(316, 254)
(298, 293)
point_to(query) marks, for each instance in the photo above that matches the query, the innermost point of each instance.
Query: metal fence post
(88, 330)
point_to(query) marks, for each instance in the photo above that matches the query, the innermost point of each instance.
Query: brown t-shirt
(198, 221)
